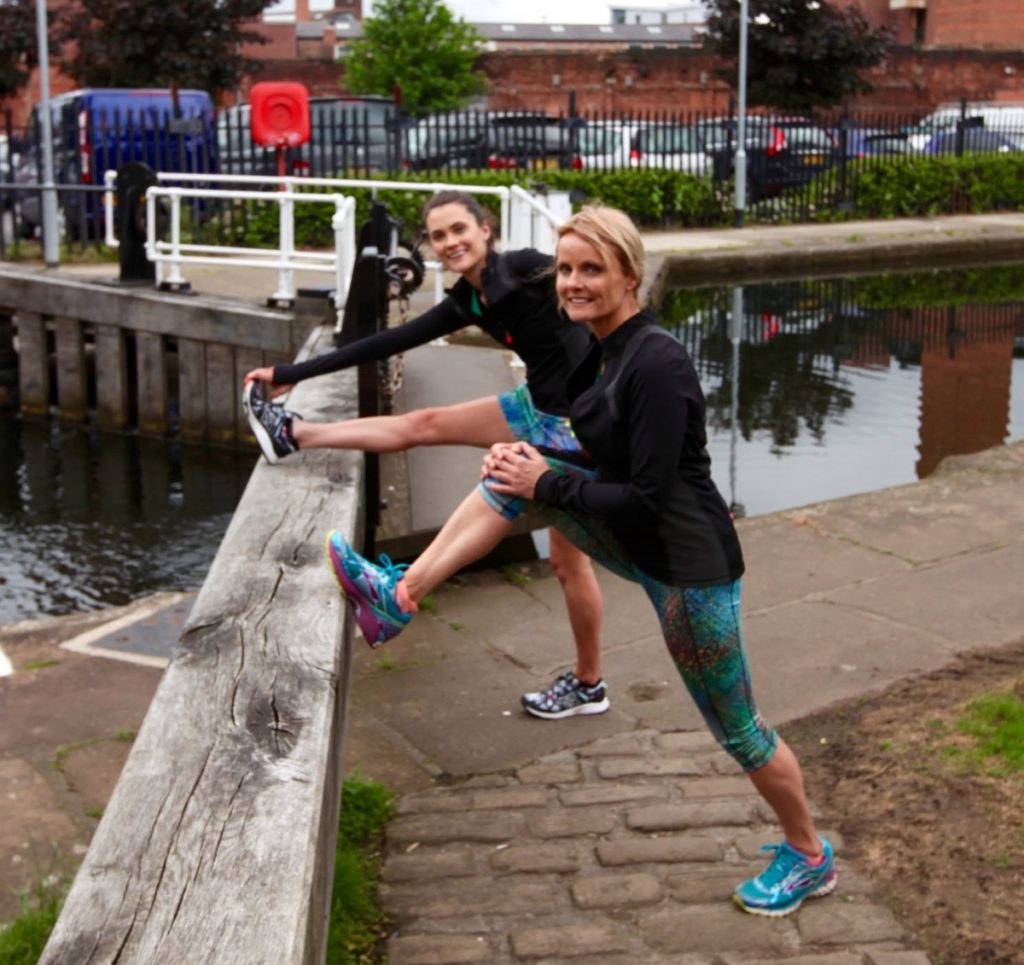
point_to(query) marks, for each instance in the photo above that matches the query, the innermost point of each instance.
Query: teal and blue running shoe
(782, 887)
(370, 588)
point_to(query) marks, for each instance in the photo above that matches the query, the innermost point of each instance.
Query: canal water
(824, 388)
(816, 389)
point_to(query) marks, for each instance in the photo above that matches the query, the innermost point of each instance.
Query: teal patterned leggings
(702, 630)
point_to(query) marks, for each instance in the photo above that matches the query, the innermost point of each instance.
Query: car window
(666, 140)
(600, 140)
(798, 138)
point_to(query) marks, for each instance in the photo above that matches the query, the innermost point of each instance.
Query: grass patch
(517, 576)
(40, 664)
(357, 925)
(59, 755)
(23, 939)
(996, 722)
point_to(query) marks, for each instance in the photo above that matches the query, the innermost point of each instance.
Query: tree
(18, 52)
(420, 48)
(800, 53)
(156, 43)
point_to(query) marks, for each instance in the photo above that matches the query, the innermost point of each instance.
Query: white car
(1002, 116)
(614, 145)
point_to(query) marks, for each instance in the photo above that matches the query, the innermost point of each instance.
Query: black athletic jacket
(521, 313)
(653, 485)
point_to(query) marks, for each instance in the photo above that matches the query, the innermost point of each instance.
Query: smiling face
(591, 290)
(459, 240)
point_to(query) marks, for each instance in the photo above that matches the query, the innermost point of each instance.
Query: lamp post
(740, 162)
(51, 250)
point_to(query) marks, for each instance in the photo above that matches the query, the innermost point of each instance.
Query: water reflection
(89, 521)
(822, 388)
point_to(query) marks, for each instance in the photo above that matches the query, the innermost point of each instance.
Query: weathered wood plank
(151, 368)
(192, 388)
(33, 363)
(69, 341)
(218, 843)
(148, 310)
(222, 394)
(111, 378)
(8, 363)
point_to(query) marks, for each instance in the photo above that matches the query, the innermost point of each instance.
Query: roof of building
(633, 33)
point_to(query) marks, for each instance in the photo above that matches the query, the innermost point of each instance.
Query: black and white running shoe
(567, 696)
(270, 422)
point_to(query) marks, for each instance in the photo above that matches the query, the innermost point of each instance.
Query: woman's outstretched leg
(477, 423)
(281, 432)
(384, 598)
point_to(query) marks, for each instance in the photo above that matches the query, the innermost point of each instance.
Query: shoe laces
(390, 572)
(782, 864)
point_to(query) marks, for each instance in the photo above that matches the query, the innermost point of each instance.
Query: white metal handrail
(284, 258)
(525, 222)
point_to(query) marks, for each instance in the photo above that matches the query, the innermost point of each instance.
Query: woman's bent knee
(751, 748)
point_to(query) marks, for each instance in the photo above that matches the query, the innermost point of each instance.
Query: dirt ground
(943, 839)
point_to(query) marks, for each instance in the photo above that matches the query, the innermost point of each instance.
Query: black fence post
(961, 125)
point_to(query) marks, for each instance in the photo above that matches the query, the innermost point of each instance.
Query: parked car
(671, 146)
(500, 141)
(975, 140)
(605, 145)
(347, 134)
(615, 145)
(870, 142)
(782, 152)
(1005, 116)
(101, 129)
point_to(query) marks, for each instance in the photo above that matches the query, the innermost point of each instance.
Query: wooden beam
(151, 369)
(192, 388)
(111, 378)
(218, 842)
(33, 363)
(72, 396)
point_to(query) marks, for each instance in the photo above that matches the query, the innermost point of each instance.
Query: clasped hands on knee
(513, 468)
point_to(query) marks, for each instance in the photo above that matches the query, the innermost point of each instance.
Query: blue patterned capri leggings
(701, 627)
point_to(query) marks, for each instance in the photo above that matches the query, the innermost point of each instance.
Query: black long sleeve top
(653, 485)
(519, 311)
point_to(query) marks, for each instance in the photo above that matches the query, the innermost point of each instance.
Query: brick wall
(910, 80)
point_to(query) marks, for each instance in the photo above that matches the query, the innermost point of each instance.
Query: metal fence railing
(795, 164)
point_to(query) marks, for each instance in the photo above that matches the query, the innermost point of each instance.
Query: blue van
(100, 129)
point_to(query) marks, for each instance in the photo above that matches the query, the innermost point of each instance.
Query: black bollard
(133, 180)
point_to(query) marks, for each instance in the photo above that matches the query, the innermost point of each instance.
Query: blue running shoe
(782, 887)
(370, 588)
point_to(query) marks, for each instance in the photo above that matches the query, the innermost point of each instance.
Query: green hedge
(900, 188)
(651, 197)
(927, 186)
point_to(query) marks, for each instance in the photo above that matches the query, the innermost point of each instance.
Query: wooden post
(218, 842)
(71, 390)
(33, 363)
(192, 400)
(8, 363)
(221, 394)
(111, 378)
(152, 385)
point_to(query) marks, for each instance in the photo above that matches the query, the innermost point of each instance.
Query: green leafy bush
(927, 186)
(652, 197)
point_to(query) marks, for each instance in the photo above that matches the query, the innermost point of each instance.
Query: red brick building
(948, 49)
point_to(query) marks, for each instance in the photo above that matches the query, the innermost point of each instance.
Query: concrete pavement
(614, 838)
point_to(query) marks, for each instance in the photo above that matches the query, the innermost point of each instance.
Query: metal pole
(740, 163)
(735, 337)
(51, 248)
